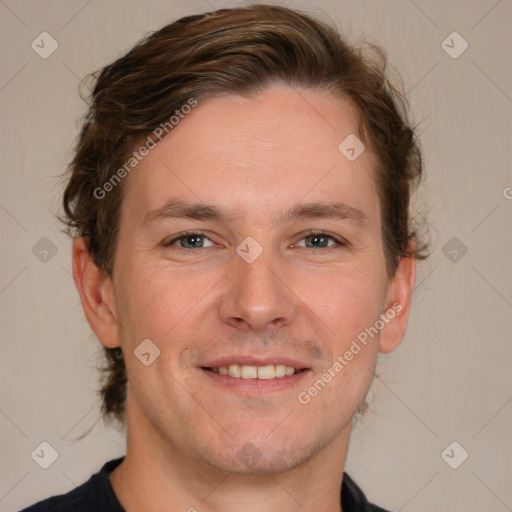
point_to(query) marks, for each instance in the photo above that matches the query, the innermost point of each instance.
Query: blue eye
(196, 240)
(190, 240)
(321, 240)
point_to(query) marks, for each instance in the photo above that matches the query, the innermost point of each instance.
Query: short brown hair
(233, 51)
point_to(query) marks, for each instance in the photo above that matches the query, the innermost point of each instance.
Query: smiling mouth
(266, 372)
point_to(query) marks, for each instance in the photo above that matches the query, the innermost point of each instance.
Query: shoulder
(353, 498)
(75, 500)
(94, 495)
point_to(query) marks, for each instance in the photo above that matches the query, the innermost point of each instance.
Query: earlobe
(96, 294)
(398, 304)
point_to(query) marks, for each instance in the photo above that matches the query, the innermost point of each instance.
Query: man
(243, 249)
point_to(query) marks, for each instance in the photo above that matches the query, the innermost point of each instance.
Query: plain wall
(450, 379)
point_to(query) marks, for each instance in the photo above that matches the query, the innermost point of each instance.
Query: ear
(96, 293)
(398, 302)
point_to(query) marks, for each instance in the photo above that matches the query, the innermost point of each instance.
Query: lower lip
(256, 386)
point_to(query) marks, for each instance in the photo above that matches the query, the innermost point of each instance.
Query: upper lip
(255, 361)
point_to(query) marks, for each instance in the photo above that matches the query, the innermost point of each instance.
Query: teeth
(234, 370)
(255, 372)
(249, 372)
(266, 372)
(289, 370)
(280, 370)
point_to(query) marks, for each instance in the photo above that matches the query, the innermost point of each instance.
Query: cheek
(152, 300)
(350, 309)
(347, 301)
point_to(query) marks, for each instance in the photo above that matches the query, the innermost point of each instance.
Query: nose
(258, 296)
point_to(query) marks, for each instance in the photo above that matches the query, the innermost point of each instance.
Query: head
(246, 114)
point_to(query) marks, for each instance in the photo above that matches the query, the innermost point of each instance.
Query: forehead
(249, 154)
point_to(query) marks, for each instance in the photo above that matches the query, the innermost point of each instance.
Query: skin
(255, 157)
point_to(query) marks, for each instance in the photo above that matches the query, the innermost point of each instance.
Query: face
(247, 238)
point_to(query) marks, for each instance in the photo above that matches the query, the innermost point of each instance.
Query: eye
(189, 240)
(313, 240)
(320, 240)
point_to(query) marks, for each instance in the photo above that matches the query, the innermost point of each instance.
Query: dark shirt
(97, 495)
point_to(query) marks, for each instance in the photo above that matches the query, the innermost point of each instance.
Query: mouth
(266, 372)
(249, 377)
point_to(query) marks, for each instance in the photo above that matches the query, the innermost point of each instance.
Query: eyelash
(340, 242)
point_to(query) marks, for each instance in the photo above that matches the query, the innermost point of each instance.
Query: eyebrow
(179, 208)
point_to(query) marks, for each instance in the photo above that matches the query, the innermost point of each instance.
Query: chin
(261, 456)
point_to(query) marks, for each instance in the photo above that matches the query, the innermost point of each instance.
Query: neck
(159, 476)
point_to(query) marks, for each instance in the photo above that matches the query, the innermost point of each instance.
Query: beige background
(450, 380)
